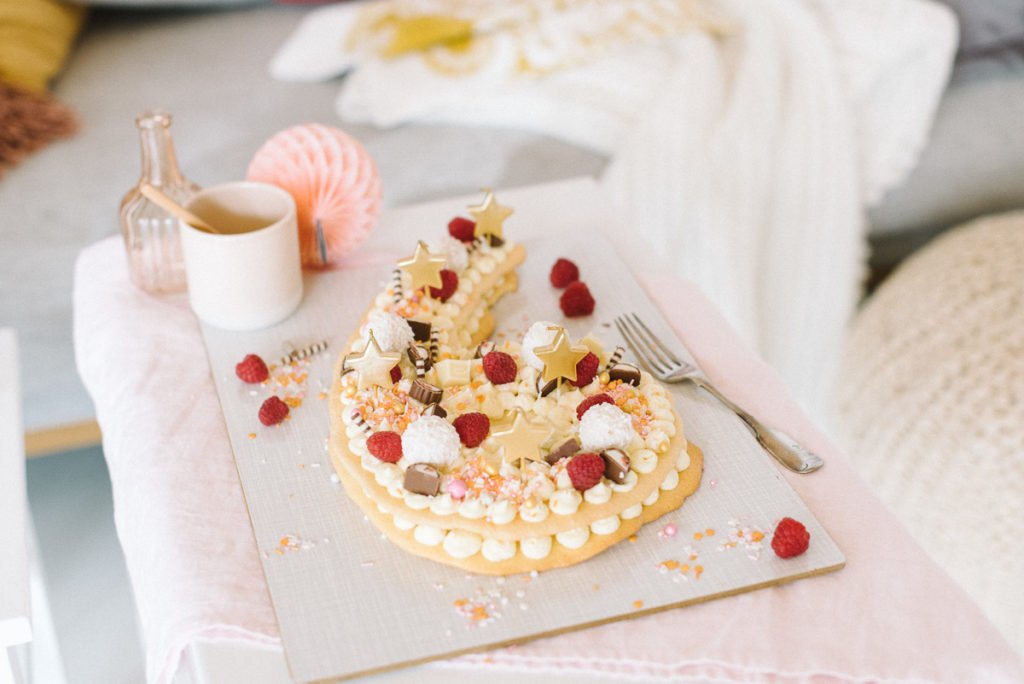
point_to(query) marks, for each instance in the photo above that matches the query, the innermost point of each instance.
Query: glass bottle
(151, 238)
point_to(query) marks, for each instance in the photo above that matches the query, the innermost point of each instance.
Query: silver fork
(664, 365)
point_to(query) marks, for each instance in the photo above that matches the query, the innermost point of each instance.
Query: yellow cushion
(35, 37)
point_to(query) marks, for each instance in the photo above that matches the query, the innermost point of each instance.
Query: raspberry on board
(577, 300)
(791, 538)
(252, 369)
(273, 411)
(563, 273)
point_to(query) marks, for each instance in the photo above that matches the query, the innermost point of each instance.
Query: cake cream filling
(462, 544)
(456, 324)
(550, 489)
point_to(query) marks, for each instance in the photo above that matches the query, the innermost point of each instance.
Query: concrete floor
(86, 579)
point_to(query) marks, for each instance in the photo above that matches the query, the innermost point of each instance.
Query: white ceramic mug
(250, 275)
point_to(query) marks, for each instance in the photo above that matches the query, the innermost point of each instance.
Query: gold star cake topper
(489, 217)
(521, 439)
(423, 267)
(373, 366)
(560, 357)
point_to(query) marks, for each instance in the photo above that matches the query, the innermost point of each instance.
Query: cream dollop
(473, 509)
(670, 481)
(427, 535)
(605, 525)
(565, 502)
(496, 550)
(539, 335)
(443, 504)
(573, 539)
(598, 494)
(535, 547)
(533, 511)
(627, 485)
(633, 511)
(502, 512)
(391, 331)
(403, 524)
(643, 461)
(683, 462)
(461, 544)
(430, 439)
(605, 426)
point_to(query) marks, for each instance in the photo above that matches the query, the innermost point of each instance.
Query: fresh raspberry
(396, 373)
(791, 538)
(563, 273)
(273, 411)
(473, 428)
(385, 445)
(592, 401)
(449, 283)
(500, 368)
(252, 369)
(577, 300)
(585, 470)
(586, 369)
(462, 229)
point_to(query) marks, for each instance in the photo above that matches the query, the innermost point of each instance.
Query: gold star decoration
(559, 357)
(489, 216)
(373, 366)
(423, 267)
(521, 439)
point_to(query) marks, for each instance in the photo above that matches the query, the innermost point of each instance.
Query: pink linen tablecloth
(890, 615)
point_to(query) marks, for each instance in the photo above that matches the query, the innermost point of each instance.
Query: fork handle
(776, 442)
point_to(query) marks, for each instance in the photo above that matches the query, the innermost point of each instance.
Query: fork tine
(658, 342)
(637, 348)
(651, 348)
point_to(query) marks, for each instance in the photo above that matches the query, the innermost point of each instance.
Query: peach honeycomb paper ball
(333, 179)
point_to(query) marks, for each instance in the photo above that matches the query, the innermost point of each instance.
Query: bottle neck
(159, 164)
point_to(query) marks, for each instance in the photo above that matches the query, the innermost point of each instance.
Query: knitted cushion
(931, 407)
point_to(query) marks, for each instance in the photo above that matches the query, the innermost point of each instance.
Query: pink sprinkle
(668, 530)
(457, 489)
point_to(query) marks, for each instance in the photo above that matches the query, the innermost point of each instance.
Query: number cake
(527, 452)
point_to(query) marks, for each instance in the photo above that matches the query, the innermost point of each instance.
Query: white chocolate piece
(452, 372)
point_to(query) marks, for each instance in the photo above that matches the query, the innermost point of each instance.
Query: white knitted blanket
(746, 138)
